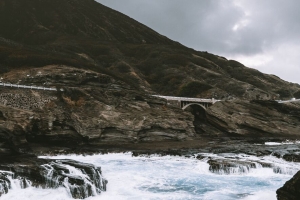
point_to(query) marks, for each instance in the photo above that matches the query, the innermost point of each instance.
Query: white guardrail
(187, 99)
(26, 86)
(288, 101)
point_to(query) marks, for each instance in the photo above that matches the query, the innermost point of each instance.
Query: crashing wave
(241, 164)
(81, 180)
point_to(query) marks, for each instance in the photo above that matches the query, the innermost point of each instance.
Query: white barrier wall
(26, 86)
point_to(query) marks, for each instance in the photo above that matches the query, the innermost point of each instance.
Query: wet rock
(235, 166)
(80, 180)
(224, 166)
(5, 184)
(290, 190)
(292, 157)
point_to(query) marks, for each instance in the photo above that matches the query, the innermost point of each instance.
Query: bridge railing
(288, 101)
(171, 98)
(26, 86)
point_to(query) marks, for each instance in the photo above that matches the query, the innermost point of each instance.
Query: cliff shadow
(201, 124)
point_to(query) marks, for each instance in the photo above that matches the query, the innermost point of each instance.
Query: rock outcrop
(80, 180)
(290, 190)
(5, 184)
(92, 108)
(255, 118)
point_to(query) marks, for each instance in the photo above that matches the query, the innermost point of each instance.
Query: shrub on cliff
(297, 95)
(284, 93)
(192, 89)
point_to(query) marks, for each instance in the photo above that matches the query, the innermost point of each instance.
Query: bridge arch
(198, 104)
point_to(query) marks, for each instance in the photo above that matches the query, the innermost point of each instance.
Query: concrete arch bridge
(185, 102)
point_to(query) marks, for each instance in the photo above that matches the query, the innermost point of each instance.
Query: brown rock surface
(93, 108)
(255, 118)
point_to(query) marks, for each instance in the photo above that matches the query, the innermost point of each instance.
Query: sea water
(171, 177)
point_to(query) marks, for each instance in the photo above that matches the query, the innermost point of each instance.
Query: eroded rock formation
(79, 179)
(93, 108)
(255, 118)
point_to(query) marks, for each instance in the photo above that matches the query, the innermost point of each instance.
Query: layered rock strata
(92, 108)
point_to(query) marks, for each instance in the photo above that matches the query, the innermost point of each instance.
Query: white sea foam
(262, 195)
(173, 177)
(272, 143)
(282, 143)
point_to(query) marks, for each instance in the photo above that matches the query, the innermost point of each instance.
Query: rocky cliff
(256, 118)
(92, 108)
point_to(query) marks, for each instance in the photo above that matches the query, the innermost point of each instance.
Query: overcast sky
(262, 34)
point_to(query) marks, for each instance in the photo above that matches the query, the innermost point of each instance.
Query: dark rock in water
(5, 184)
(291, 157)
(5, 181)
(290, 190)
(80, 180)
(228, 166)
(221, 166)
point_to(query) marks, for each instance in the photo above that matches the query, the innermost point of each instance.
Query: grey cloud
(274, 21)
(203, 25)
(208, 25)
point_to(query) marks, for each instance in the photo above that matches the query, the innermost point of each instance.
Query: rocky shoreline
(81, 180)
(45, 173)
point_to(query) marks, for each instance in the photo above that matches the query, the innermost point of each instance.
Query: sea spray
(7, 182)
(80, 180)
(243, 164)
(174, 177)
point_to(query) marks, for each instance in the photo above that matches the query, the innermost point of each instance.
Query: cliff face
(255, 118)
(93, 108)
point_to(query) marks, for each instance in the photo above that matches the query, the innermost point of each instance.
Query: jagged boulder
(291, 189)
(4, 182)
(81, 180)
(221, 166)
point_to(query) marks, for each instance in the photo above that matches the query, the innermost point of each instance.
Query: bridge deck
(171, 98)
(288, 101)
